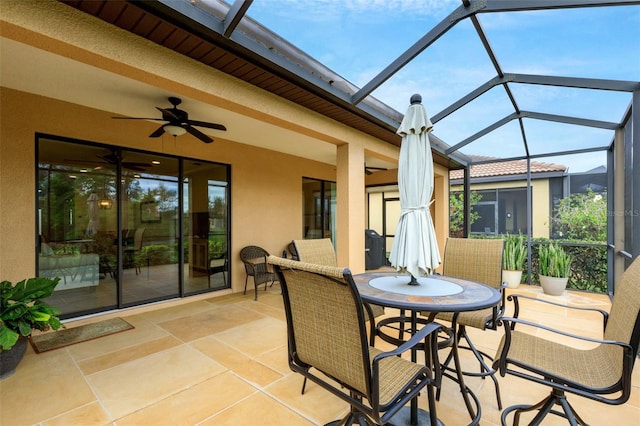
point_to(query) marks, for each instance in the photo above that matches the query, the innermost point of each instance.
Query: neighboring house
(503, 187)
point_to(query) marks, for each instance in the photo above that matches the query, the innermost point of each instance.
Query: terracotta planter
(512, 278)
(10, 359)
(553, 286)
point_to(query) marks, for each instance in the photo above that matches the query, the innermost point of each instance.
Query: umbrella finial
(416, 99)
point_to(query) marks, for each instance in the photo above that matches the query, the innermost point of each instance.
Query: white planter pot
(553, 286)
(512, 278)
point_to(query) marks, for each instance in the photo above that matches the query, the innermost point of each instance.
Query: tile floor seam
(165, 396)
(94, 391)
(169, 396)
(265, 390)
(237, 349)
(228, 407)
(294, 409)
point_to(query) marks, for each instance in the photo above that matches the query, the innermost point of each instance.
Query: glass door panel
(77, 222)
(150, 227)
(206, 230)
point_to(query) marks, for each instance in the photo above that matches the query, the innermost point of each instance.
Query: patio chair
(131, 254)
(320, 251)
(601, 373)
(255, 265)
(291, 248)
(218, 265)
(327, 343)
(477, 260)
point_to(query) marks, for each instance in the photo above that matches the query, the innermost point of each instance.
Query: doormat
(70, 336)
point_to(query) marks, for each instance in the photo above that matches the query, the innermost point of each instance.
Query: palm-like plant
(554, 261)
(515, 252)
(22, 309)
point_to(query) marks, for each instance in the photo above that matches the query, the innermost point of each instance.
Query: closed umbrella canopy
(415, 248)
(94, 220)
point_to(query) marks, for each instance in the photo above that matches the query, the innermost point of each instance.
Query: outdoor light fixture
(174, 130)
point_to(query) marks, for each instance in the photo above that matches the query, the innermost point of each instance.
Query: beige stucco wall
(540, 201)
(266, 195)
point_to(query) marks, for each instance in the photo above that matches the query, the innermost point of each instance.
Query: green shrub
(156, 254)
(588, 266)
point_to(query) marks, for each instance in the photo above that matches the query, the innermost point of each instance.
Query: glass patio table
(433, 294)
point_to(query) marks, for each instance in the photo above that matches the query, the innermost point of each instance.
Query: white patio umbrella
(94, 220)
(415, 249)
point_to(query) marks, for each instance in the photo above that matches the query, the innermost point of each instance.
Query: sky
(358, 38)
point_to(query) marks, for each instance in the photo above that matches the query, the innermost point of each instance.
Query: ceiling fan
(112, 158)
(178, 122)
(369, 170)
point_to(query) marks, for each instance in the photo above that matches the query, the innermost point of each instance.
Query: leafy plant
(22, 309)
(515, 252)
(456, 212)
(553, 261)
(581, 217)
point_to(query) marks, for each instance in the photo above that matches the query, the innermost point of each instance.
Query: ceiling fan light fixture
(105, 203)
(174, 130)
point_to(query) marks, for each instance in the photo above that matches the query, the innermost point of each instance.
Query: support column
(351, 207)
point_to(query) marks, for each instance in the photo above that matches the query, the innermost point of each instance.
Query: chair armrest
(508, 329)
(515, 299)
(415, 339)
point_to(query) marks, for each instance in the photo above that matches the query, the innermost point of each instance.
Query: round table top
(436, 293)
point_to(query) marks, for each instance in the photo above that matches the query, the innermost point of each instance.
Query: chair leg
(485, 370)
(255, 289)
(245, 284)
(544, 407)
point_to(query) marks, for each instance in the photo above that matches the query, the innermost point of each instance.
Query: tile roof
(505, 168)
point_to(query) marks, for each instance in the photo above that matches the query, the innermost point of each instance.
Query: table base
(403, 418)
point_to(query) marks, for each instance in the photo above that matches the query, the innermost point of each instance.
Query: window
(319, 209)
(500, 211)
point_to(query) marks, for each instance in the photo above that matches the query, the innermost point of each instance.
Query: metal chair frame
(620, 343)
(375, 384)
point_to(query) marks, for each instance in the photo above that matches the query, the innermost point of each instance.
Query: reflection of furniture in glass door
(199, 256)
(199, 244)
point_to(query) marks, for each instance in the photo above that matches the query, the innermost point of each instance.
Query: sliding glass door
(123, 228)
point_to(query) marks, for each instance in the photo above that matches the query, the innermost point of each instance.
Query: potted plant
(514, 256)
(554, 268)
(22, 310)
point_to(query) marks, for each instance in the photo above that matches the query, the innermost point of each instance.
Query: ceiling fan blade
(157, 133)
(207, 125)
(169, 113)
(134, 166)
(198, 134)
(138, 118)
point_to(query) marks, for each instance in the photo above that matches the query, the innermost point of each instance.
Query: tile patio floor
(222, 361)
